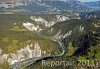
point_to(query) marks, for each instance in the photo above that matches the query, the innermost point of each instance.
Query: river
(30, 61)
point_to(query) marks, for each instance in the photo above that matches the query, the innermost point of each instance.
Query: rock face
(25, 53)
(41, 21)
(22, 54)
(31, 27)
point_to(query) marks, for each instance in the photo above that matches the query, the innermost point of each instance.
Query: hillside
(76, 31)
(18, 43)
(82, 39)
(89, 15)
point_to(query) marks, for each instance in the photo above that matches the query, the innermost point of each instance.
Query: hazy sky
(88, 0)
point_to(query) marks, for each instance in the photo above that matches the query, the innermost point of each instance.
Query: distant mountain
(68, 5)
(45, 6)
(95, 5)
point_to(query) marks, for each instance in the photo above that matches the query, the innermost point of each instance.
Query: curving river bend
(30, 61)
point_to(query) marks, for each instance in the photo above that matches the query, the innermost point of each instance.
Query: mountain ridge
(45, 6)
